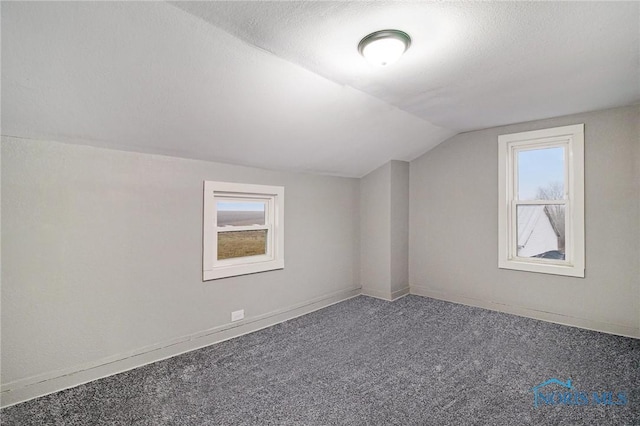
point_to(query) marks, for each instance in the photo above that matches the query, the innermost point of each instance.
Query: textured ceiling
(280, 85)
(472, 65)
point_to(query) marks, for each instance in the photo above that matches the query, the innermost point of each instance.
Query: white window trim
(212, 268)
(572, 138)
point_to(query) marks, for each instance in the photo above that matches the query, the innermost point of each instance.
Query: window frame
(571, 138)
(273, 197)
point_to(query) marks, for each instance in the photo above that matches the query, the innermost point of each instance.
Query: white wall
(454, 235)
(102, 260)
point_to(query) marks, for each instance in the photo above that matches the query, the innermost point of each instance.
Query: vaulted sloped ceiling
(472, 65)
(280, 85)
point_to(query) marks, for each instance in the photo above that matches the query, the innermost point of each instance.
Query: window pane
(541, 174)
(241, 243)
(240, 213)
(541, 231)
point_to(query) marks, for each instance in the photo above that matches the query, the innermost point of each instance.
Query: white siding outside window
(541, 201)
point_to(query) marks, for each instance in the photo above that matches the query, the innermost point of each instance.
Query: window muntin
(541, 211)
(243, 229)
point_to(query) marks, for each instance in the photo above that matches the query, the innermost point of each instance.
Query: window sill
(245, 269)
(543, 268)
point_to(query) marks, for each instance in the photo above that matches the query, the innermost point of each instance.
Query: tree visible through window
(555, 213)
(541, 201)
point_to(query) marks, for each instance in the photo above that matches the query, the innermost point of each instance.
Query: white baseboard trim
(605, 327)
(376, 293)
(385, 295)
(400, 293)
(33, 387)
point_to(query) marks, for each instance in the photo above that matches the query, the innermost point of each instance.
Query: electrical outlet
(237, 315)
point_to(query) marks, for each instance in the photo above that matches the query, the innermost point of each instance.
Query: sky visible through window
(240, 206)
(539, 168)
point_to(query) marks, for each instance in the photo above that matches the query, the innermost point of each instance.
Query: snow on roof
(527, 219)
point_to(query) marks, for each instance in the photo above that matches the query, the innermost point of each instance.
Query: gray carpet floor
(415, 361)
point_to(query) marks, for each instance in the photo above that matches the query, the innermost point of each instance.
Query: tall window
(541, 201)
(243, 229)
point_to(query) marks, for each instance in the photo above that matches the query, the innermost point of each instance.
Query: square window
(243, 230)
(541, 201)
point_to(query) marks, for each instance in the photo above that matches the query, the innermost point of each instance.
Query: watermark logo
(557, 392)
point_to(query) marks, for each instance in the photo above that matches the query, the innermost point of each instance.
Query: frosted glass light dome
(384, 47)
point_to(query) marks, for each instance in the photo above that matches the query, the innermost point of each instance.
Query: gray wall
(101, 249)
(453, 222)
(102, 255)
(399, 227)
(384, 230)
(375, 236)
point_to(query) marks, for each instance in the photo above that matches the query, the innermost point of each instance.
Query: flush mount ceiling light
(384, 47)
